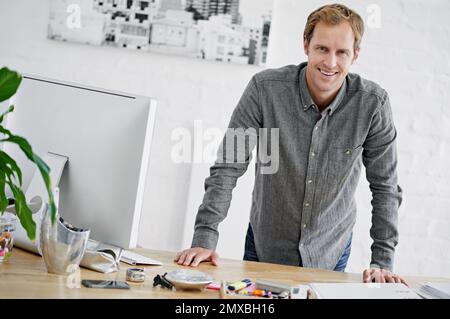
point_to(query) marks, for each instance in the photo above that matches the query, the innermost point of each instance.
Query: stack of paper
(362, 291)
(435, 290)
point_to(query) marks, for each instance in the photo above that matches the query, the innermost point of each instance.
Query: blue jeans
(250, 251)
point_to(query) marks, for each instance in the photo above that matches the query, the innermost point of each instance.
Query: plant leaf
(5, 158)
(42, 166)
(21, 142)
(9, 83)
(6, 171)
(23, 211)
(5, 132)
(9, 110)
(3, 199)
(45, 172)
(44, 169)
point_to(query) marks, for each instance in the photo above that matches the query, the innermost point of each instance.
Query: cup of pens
(7, 227)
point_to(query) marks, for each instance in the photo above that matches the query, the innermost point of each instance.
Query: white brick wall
(409, 56)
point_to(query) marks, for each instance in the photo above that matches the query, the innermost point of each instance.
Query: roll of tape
(136, 274)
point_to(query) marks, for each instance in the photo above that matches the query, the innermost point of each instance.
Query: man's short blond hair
(334, 14)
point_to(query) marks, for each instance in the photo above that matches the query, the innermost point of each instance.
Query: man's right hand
(194, 256)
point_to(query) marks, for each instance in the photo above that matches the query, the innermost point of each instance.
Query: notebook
(362, 291)
(133, 258)
(434, 290)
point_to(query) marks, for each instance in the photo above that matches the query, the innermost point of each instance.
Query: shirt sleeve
(380, 161)
(233, 157)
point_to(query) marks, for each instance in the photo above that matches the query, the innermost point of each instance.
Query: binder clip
(162, 281)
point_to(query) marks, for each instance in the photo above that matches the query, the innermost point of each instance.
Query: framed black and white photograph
(220, 30)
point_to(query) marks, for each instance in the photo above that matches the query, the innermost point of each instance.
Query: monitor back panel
(105, 135)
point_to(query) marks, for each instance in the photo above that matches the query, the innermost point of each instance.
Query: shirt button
(348, 152)
(306, 204)
(313, 154)
(316, 128)
(301, 245)
(304, 225)
(309, 181)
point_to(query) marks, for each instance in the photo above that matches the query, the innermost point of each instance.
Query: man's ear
(305, 45)
(356, 55)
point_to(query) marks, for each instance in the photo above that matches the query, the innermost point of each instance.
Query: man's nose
(330, 61)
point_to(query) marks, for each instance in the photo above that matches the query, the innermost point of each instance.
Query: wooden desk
(24, 276)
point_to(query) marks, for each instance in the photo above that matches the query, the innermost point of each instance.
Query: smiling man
(330, 123)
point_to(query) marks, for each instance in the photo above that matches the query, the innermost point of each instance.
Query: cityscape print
(215, 30)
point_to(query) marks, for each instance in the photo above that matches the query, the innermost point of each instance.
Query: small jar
(136, 274)
(7, 227)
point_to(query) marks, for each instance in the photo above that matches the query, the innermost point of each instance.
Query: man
(330, 121)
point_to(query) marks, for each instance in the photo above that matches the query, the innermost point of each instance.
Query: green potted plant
(10, 172)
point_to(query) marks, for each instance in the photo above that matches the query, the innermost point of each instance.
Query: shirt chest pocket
(341, 160)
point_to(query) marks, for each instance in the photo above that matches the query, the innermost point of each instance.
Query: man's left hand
(381, 275)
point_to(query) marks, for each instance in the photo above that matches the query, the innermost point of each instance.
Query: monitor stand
(37, 196)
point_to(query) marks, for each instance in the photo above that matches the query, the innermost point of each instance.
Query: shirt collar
(306, 98)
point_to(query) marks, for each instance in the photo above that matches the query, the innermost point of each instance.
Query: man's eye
(322, 49)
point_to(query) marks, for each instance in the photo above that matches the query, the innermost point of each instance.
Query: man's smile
(329, 74)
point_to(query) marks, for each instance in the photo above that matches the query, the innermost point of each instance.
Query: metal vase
(62, 245)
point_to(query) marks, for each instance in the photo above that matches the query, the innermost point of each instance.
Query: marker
(244, 292)
(239, 285)
(262, 293)
(213, 286)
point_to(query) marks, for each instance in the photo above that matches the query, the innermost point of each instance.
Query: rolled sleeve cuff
(382, 260)
(205, 239)
(375, 266)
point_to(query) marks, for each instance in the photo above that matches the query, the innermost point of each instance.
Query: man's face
(330, 55)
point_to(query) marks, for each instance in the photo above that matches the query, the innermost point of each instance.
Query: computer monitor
(105, 135)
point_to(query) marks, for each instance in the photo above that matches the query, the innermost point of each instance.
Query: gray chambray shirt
(305, 212)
